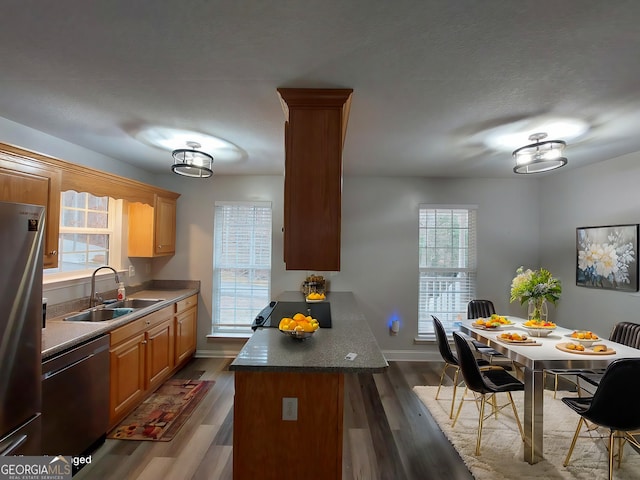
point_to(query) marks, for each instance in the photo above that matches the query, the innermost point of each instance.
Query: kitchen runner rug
(161, 415)
(502, 450)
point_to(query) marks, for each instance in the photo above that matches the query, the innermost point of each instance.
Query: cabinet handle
(144, 342)
(148, 322)
(53, 252)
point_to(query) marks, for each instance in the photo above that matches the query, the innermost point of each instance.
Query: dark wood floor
(388, 433)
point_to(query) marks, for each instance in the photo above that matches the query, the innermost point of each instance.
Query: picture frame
(607, 257)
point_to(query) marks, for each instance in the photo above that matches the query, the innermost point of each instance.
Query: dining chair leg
(444, 371)
(611, 445)
(480, 422)
(459, 407)
(455, 389)
(573, 442)
(515, 413)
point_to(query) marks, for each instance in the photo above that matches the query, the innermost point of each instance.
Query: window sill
(229, 336)
(424, 340)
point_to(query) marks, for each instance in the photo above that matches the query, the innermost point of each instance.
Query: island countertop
(325, 351)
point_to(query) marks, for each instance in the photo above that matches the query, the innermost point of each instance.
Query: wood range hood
(315, 130)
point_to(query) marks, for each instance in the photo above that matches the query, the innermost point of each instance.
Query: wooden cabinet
(152, 228)
(186, 324)
(315, 127)
(160, 353)
(26, 181)
(317, 425)
(142, 357)
(127, 376)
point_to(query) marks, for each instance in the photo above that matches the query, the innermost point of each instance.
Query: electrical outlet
(132, 271)
(289, 409)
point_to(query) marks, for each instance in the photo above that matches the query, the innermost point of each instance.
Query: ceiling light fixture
(539, 156)
(190, 162)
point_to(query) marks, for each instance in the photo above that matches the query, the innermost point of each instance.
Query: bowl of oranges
(539, 328)
(583, 337)
(314, 297)
(300, 326)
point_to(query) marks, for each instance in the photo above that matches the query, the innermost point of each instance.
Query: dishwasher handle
(13, 446)
(53, 373)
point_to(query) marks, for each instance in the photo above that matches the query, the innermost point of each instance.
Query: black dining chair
(485, 384)
(479, 308)
(450, 360)
(614, 405)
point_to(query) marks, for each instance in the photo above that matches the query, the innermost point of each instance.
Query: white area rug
(501, 453)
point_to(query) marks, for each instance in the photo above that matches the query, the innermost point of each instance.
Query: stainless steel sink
(135, 303)
(93, 315)
(113, 310)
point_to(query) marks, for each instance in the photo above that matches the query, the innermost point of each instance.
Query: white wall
(524, 221)
(596, 195)
(379, 242)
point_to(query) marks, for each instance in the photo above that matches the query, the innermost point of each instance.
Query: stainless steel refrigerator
(21, 244)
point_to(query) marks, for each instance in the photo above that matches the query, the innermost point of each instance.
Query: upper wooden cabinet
(23, 180)
(315, 128)
(30, 177)
(152, 229)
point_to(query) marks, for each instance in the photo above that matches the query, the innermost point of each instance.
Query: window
(241, 264)
(447, 265)
(86, 232)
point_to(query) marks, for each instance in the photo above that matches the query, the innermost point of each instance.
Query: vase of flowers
(537, 310)
(536, 287)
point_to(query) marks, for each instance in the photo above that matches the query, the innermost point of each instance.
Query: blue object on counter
(118, 312)
(110, 301)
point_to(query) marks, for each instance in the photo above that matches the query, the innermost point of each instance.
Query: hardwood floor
(388, 433)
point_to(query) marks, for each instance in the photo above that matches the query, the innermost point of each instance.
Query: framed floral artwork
(607, 257)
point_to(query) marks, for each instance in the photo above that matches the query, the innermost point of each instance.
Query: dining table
(535, 359)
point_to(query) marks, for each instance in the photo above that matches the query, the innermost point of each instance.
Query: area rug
(502, 451)
(161, 415)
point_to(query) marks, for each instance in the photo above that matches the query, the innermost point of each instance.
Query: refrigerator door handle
(8, 450)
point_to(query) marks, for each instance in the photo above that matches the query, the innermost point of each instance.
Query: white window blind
(447, 265)
(241, 264)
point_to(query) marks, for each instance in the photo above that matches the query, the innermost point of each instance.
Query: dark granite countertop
(60, 335)
(325, 351)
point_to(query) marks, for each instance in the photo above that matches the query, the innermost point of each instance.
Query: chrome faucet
(95, 298)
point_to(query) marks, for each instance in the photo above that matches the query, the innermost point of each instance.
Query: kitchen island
(289, 394)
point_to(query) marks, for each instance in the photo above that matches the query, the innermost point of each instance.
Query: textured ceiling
(430, 78)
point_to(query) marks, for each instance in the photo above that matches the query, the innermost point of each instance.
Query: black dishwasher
(75, 399)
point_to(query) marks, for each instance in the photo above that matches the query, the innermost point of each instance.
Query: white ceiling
(430, 77)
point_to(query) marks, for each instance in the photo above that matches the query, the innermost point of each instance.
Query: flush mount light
(539, 156)
(191, 162)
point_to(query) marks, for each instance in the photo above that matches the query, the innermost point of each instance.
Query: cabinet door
(314, 135)
(127, 378)
(186, 326)
(165, 238)
(37, 185)
(152, 229)
(160, 353)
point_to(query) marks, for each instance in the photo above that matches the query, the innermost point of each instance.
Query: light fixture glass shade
(192, 163)
(540, 156)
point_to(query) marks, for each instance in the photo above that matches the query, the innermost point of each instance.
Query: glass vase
(537, 310)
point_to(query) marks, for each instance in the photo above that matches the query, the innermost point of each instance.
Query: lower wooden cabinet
(160, 356)
(142, 357)
(186, 328)
(127, 377)
(145, 352)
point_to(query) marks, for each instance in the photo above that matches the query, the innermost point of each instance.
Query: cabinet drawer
(140, 325)
(186, 303)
